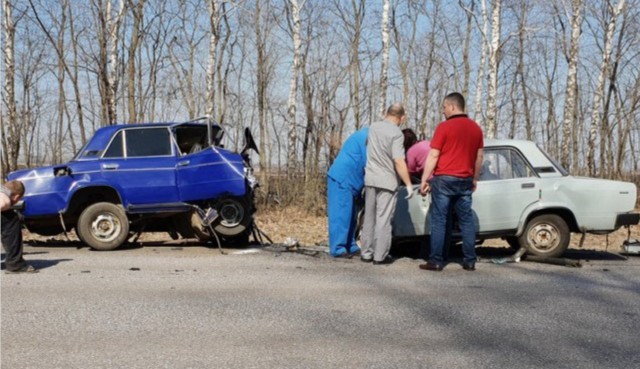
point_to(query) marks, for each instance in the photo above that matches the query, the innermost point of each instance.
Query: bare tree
(481, 66)
(113, 21)
(521, 69)
(404, 52)
(352, 22)
(214, 37)
(293, 10)
(384, 69)
(72, 71)
(11, 140)
(494, 63)
(571, 91)
(138, 14)
(600, 87)
(467, 41)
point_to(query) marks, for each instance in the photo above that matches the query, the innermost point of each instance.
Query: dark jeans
(449, 194)
(12, 240)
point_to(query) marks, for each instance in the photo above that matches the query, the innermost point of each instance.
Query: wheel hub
(106, 227)
(544, 237)
(231, 214)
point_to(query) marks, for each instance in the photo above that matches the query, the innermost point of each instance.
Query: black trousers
(12, 240)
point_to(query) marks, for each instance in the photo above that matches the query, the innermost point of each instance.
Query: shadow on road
(42, 264)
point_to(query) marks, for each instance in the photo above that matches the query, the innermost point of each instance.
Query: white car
(526, 198)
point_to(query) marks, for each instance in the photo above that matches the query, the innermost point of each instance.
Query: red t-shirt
(458, 139)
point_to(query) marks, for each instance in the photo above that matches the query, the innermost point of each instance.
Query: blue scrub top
(348, 168)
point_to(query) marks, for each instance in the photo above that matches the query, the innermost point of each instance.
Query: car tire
(546, 236)
(234, 216)
(103, 226)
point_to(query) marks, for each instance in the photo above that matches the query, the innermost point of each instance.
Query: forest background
(304, 74)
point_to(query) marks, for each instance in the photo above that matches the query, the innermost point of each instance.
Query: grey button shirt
(384, 145)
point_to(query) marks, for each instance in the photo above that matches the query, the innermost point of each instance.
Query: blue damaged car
(138, 178)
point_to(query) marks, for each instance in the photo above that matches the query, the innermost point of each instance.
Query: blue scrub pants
(342, 219)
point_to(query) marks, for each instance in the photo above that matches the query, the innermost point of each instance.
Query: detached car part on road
(145, 177)
(526, 198)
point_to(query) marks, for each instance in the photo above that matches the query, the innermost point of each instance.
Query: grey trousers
(379, 206)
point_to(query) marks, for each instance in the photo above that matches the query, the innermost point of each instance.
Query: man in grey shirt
(385, 162)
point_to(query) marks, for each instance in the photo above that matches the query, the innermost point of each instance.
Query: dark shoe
(365, 260)
(431, 266)
(345, 255)
(470, 267)
(25, 269)
(388, 260)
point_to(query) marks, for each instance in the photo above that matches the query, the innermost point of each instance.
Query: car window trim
(124, 142)
(519, 153)
(113, 137)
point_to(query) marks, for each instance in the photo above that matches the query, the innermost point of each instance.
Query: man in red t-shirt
(454, 160)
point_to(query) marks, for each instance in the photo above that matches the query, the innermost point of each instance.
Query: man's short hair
(396, 110)
(457, 99)
(16, 187)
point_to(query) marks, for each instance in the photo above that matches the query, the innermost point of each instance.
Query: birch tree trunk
(467, 42)
(385, 57)
(214, 24)
(113, 27)
(138, 14)
(600, 88)
(571, 96)
(10, 139)
(293, 86)
(477, 111)
(261, 90)
(521, 73)
(354, 64)
(494, 62)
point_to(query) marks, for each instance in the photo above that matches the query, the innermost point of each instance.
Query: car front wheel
(546, 236)
(103, 226)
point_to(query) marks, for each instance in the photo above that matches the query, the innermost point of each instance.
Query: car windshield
(562, 171)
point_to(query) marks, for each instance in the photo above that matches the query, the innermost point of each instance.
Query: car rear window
(148, 142)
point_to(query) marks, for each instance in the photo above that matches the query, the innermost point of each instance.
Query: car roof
(115, 127)
(490, 142)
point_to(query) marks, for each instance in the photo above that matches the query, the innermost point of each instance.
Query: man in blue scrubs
(345, 181)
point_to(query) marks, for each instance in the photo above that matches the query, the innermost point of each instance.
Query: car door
(206, 172)
(507, 186)
(140, 162)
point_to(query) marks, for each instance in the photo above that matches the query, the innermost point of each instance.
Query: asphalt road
(191, 307)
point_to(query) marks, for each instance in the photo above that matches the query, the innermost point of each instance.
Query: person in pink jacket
(416, 154)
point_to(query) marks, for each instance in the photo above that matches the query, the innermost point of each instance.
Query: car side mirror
(61, 171)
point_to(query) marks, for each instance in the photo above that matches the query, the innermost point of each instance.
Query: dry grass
(311, 229)
(295, 222)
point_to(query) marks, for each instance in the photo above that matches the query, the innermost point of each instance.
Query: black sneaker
(388, 260)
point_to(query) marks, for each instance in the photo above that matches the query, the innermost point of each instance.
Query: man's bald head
(395, 110)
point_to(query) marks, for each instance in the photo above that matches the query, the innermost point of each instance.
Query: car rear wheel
(103, 226)
(546, 236)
